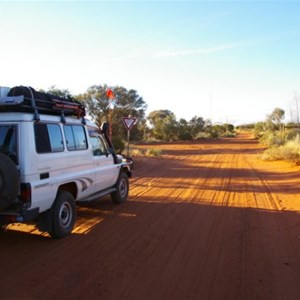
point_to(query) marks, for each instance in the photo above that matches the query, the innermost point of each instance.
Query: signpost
(128, 122)
(111, 96)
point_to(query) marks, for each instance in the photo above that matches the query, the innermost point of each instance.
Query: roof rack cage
(42, 103)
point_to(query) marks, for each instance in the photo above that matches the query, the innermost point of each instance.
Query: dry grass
(135, 152)
(290, 151)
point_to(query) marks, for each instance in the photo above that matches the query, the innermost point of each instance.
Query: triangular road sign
(129, 122)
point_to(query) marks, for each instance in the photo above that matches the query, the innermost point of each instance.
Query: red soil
(205, 220)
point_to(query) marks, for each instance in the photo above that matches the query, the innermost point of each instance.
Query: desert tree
(276, 117)
(125, 103)
(163, 125)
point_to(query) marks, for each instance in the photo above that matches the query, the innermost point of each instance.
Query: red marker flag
(110, 94)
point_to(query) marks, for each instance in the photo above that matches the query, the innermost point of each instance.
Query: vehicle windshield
(8, 141)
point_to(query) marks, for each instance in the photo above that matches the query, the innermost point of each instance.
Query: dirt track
(207, 220)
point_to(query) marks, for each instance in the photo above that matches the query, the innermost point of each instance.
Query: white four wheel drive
(51, 157)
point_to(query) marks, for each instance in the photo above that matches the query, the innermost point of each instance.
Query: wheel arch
(45, 218)
(68, 187)
(126, 170)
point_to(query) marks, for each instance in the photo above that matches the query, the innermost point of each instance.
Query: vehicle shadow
(147, 241)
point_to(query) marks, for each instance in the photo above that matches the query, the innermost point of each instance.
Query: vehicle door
(106, 171)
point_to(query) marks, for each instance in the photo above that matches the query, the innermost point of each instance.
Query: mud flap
(45, 221)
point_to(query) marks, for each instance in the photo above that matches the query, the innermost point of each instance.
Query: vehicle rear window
(75, 137)
(48, 138)
(8, 141)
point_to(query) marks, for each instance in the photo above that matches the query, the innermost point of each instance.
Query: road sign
(129, 122)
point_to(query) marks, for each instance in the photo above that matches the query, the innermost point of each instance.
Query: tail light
(26, 193)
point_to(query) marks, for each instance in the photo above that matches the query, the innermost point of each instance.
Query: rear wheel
(121, 194)
(63, 215)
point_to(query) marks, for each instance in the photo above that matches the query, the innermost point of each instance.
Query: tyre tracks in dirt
(205, 220)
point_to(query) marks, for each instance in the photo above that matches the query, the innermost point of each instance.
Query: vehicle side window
(48, 138)
(98, 146)
(8, 141)
(69, 138)
(105, 144)
(75, 137)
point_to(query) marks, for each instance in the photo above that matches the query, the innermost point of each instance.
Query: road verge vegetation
(148, 152)
(282, 141)
(282, 147)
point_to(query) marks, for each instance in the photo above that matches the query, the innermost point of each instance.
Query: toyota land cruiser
(51, 157)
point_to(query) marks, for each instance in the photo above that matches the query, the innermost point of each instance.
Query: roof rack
(26, 99)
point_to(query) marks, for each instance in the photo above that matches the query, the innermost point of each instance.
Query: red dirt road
(206, 220)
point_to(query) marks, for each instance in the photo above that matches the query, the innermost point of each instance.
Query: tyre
(9, 181)
(63, 215)
(121, 194)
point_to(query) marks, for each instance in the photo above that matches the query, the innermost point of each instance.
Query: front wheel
(121, 194)
(63, 215)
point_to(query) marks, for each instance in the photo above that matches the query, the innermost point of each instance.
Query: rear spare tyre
(9, 181)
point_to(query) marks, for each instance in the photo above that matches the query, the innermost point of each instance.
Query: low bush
(202, 135)
(118, 143)
(153, 152)
(290, 151)
(229, 134)
(272, 139)
(149, 152)
(136, 152)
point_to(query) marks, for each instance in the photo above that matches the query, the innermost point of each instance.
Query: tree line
(161, 125)
(282, 140)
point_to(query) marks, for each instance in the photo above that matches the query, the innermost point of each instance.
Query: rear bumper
(23, 216)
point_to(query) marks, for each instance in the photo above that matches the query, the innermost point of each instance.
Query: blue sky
(229, 61)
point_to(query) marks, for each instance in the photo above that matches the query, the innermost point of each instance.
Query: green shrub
(259, 129)
(214, 133)
(202, 135)
(185, 135)
(272, 139)
(118, 143)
